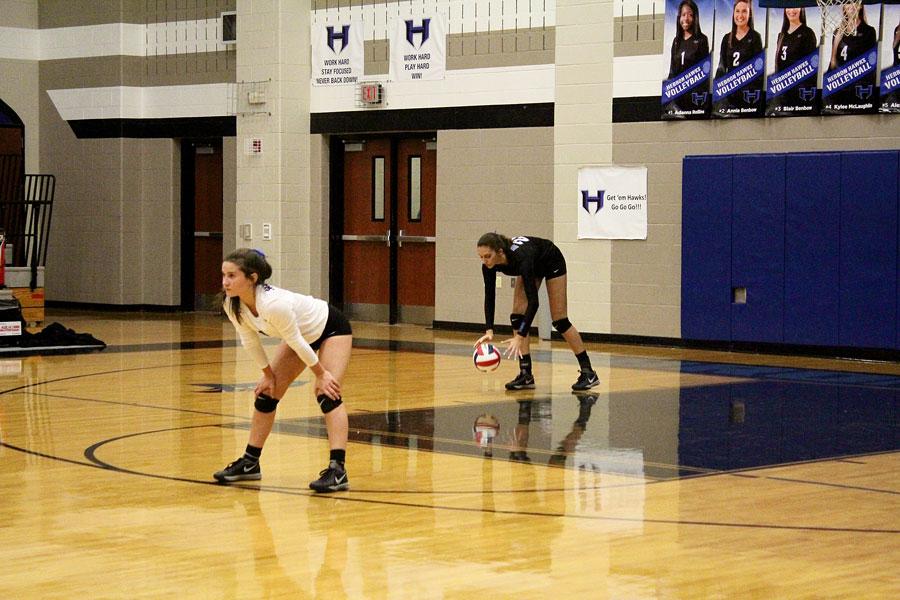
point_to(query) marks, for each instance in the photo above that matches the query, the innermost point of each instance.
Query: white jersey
(295, 318)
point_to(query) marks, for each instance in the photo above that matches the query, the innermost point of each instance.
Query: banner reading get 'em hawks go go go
(419, 47)
(612, 203)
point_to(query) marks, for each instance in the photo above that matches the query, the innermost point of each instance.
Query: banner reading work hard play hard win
(419, 48)
(337, 53)
(612, 203)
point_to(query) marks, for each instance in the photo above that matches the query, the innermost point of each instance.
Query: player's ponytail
(249, 261)
(495, 241)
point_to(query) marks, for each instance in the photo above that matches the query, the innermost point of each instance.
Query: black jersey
(739, 52)
(852, 46)
(531, 258)
(896, 47)
(687, 52)
(792, 46)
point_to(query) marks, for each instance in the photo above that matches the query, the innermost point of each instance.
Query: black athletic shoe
(523, 381)
(519, 456)
(240, 470)
(332, 479)
(586, 380)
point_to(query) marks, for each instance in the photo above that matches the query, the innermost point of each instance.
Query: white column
(582, 137)
(273, 187)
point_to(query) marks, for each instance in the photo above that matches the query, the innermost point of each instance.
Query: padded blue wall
(811, 254)
(757, 247)
(706, 248)
(868, 264)
(813, 237)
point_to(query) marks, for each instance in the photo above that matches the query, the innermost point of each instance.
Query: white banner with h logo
(419, 48)
(337, 53)
(612, 203)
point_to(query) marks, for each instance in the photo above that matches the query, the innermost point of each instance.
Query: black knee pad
(326, 404)
(516, 320)
(562, 325)
(265, 403)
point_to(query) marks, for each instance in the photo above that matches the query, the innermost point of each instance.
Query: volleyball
(486, 358)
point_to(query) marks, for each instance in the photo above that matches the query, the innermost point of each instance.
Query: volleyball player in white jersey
(313, 334)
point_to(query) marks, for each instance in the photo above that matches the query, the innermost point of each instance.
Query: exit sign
(370, 93)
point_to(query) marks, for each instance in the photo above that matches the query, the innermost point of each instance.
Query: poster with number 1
(685, 86)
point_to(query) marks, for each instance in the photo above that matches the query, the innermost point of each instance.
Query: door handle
(414, 239)
(367, 238)
(208, 234)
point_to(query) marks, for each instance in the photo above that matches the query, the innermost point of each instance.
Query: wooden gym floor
(685, 475)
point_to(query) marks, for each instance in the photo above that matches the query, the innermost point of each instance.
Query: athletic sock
(584, 361)
(252, 453)
(584, 413)
(525, 363)
(524, 412)
(339, 455)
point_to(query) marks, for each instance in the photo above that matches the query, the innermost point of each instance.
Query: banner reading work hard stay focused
(612, 203)
(337, 53)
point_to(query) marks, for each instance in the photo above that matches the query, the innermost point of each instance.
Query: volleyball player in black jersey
(689, 47)
(796, 41)
(897, 45)
(846, 47)
(530, 259)
(738, 46)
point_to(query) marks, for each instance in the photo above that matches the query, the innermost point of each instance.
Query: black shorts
(552, 263)
(337, 324)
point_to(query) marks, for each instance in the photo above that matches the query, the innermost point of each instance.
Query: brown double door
(388, 232)
(202, 217)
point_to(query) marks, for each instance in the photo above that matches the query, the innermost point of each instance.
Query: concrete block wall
(488, 180)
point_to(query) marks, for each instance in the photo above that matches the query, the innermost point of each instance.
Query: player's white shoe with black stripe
(240, 470)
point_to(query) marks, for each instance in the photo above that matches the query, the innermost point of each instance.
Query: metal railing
(26, 203)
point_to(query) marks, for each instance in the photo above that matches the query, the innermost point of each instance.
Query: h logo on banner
(807, 93)
(343, 36)
(412, 30)
(864, 92)
(586, 200)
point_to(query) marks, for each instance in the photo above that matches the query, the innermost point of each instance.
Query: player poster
(612, 203)
(738, 86)
(793, 59)
(848, 84)
(890, 59)
(685, 89)
(419, 48)
(337, 53)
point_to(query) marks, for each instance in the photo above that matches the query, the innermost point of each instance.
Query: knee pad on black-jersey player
(265, 403)
(516, 320)
(326, 404)
(562, 325)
